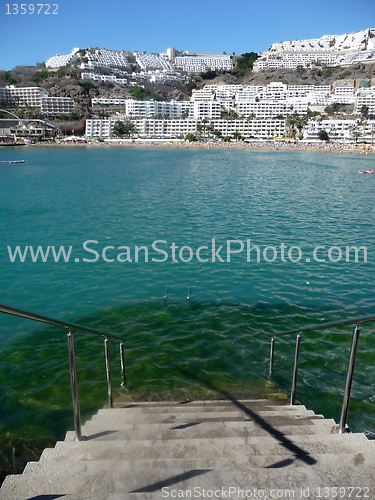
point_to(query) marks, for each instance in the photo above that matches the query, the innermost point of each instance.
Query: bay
(217, 340)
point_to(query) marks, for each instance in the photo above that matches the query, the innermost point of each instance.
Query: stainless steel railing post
(74, 385)
(349, 380)
(272, 350)
(294, 381)
(123, 370)
(109, 375)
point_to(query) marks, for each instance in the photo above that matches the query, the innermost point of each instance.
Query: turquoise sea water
(216, 341)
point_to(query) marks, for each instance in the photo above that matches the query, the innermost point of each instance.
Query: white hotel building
(24, 96)
(36, 97)
(366, 98)
(341, 130)
(58, 61)
(57, 105)
(270, 109)
(262, 129)
(197, 64)
(174, 109)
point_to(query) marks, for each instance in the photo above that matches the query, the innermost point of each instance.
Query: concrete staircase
(211, 449)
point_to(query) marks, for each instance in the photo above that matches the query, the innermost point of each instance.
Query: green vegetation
(332, 42)
(246, 62)
(338, 108)
(323, 135)
(209, 75)
(7, 76)
(295, 122)
(86, 85)
(61, 71)
(364, 111)
(40, 75)
(123, 128)
(190, 138)
(142, 94)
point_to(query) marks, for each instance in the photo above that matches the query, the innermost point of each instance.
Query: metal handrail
(325, 326)
(21, 313)
(342, 427)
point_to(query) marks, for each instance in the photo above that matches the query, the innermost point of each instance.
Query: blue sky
(204, 25)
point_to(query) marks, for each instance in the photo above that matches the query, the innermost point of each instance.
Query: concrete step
(214, 402)
(112, 477)
(100, 424)
(201, 408)
(243, 462)
(140, 432)
(231, 447)
(205, 407)
(129, 417)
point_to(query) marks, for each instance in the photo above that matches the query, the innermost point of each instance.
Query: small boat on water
(365, 171)
(13, 161)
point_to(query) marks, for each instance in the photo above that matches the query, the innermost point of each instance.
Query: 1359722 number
(38, 8)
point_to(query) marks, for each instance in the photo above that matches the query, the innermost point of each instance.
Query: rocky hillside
(66, 81)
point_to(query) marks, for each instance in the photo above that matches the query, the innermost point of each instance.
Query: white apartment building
(169, 128)
(196, 64)
(104, 78)
(162, 76)
(223, 91)
(95, 101)
(270, 109)
(202, 95)
(291, 61)
(99, 128)
(359, 40)
(151, 109)
(261, 129)
(206, 109)
(24, 96)
(152, 61)
(92, 65)
(363, 56)
(344, 90)
(6, 97)
(276, 91)
(342, 99)
(107, 58)
(58, 61)
(365, 99)
(318, 95)
(174, 109)
(57, 105)
(144, 127)
(341, 130)
(247, 95)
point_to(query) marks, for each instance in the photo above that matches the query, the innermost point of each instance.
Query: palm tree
(209, 128)
(355, 131)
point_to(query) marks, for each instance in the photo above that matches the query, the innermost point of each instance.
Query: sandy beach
(269, 146)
